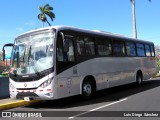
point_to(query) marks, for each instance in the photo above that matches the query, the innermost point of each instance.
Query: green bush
(158, 63)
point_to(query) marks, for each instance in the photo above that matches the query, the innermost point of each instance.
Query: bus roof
(96, 32)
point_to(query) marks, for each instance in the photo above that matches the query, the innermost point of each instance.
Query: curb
(156, 76)
(17, 104)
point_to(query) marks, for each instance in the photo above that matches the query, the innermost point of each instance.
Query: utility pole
(134, 19)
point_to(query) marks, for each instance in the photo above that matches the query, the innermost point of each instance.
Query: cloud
(20, 29)
(30, 23)
(5, 36)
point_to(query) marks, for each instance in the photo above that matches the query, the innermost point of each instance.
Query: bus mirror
(65, 43)
(3, 55)
(6, 45)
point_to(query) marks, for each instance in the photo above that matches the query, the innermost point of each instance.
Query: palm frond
(39, 16)
(49, 8)
(46, 6)
(51, 15)
(41, 8)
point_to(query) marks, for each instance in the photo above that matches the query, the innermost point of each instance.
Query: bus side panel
(68, 83)
(107, 71)
(149, 69)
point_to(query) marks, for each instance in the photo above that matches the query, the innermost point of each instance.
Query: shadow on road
(107, 95)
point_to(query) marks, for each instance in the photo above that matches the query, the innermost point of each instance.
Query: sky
(19, 16)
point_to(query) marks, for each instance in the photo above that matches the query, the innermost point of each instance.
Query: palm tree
(46, 11)
(134, 19)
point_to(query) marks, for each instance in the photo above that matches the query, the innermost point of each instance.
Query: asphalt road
(127, 102)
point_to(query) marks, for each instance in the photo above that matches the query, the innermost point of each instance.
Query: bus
(61, 61)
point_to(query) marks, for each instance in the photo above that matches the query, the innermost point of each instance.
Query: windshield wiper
(24, 55)
(23, 65)
(32, 61)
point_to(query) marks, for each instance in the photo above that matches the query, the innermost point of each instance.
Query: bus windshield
(33, 54)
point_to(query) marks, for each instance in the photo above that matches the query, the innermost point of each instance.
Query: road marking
(98, 108)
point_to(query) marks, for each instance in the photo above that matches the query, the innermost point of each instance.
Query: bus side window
(89, 45)
(103, 47)
(131, 49)
(140, 50)
(148, 51)
(80, 46)
(59, 50)
(61, 54)
(85, 45)
(70, 53)
(152, 51)
(118, 48)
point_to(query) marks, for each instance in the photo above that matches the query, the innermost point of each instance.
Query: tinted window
(80, 46)
(118, 48)
(89, 45)
(104, 47)
(59, 49)
(152, 50)
(70, 53)
(148, 52)
(131, 49)
(65, 56)
(85, 46)
(140, 49)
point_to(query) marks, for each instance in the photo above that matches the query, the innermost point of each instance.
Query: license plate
(26, 99)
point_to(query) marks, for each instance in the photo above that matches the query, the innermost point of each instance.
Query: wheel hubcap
(87, 89)
(139, 80)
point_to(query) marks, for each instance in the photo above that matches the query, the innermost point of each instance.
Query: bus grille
(26, 88)
(21, 95)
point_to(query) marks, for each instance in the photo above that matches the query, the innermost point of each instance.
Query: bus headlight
(11, 86)
(46, 83)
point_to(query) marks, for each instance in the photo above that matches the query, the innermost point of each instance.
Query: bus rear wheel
(87, 90)
(139, 79)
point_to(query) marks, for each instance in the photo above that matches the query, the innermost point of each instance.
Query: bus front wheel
(87, 89)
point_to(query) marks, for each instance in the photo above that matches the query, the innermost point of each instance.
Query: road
(127, 102)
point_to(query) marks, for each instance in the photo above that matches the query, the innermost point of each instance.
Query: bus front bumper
(36, 94)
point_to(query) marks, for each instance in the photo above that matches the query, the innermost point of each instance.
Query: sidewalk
(8, 103)
(6, 100)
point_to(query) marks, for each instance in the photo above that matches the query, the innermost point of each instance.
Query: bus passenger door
(66, 67)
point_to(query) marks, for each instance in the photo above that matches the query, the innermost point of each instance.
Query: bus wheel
(139, 79)
(87, 89)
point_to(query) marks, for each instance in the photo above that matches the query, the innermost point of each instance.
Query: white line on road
(98, 108)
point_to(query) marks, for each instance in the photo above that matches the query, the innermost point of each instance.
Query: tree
(46, 10)
(1, 56)
(157, 51)
(134, 19)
